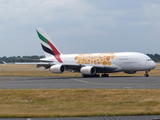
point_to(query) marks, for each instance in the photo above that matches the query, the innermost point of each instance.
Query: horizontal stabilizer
(33, 60)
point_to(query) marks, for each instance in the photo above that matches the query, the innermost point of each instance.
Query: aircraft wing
(71, 67)
(99, 68)
(39, 62)
(77, 67)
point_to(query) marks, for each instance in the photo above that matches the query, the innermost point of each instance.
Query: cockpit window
(149, 60)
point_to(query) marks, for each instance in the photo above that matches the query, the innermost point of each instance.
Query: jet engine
(57, 68)
(130, 72)
(88, 70)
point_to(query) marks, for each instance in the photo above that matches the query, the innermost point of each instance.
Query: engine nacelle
(88, 70)
(130, 72)
(57, 68)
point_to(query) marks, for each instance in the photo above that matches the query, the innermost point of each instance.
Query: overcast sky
(80, 26)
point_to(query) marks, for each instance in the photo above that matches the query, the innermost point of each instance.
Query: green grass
(47, 73)
(32, 71)
(78, 103)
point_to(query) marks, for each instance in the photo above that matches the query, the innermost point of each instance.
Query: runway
(79, 83)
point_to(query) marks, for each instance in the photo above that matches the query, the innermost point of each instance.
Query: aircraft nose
(153, 65)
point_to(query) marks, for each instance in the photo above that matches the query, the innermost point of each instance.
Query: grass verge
(31, 71)
(78, 103)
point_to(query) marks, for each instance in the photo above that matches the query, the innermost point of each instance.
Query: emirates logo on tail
(47, 46)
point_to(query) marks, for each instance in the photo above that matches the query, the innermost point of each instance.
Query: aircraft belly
(105, 70)
(129, 66)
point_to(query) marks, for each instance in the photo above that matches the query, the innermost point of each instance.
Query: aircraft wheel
(146, 75)
(104, 75)
(97, 75)
(85, 76)
(107, 75)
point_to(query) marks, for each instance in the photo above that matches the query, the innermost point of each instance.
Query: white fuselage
(124, 61)
(91, 64)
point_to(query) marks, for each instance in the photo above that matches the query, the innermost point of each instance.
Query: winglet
(4, 63)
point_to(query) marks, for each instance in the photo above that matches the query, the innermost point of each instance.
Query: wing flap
(99, 68)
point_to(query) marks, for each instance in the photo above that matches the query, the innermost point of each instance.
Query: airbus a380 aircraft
(94, 63)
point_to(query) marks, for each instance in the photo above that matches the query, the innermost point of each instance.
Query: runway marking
(80, 80)
(137, 85)
(116, 84)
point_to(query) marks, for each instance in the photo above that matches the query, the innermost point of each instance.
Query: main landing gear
(96, 75)
(104, 75)
(146, 74)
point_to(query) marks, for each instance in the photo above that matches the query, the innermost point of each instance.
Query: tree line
(13, 59)
(155, 57)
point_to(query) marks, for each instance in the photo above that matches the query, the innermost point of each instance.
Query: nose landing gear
(146, 74)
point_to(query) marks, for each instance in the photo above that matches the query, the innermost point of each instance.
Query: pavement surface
(79, 83)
